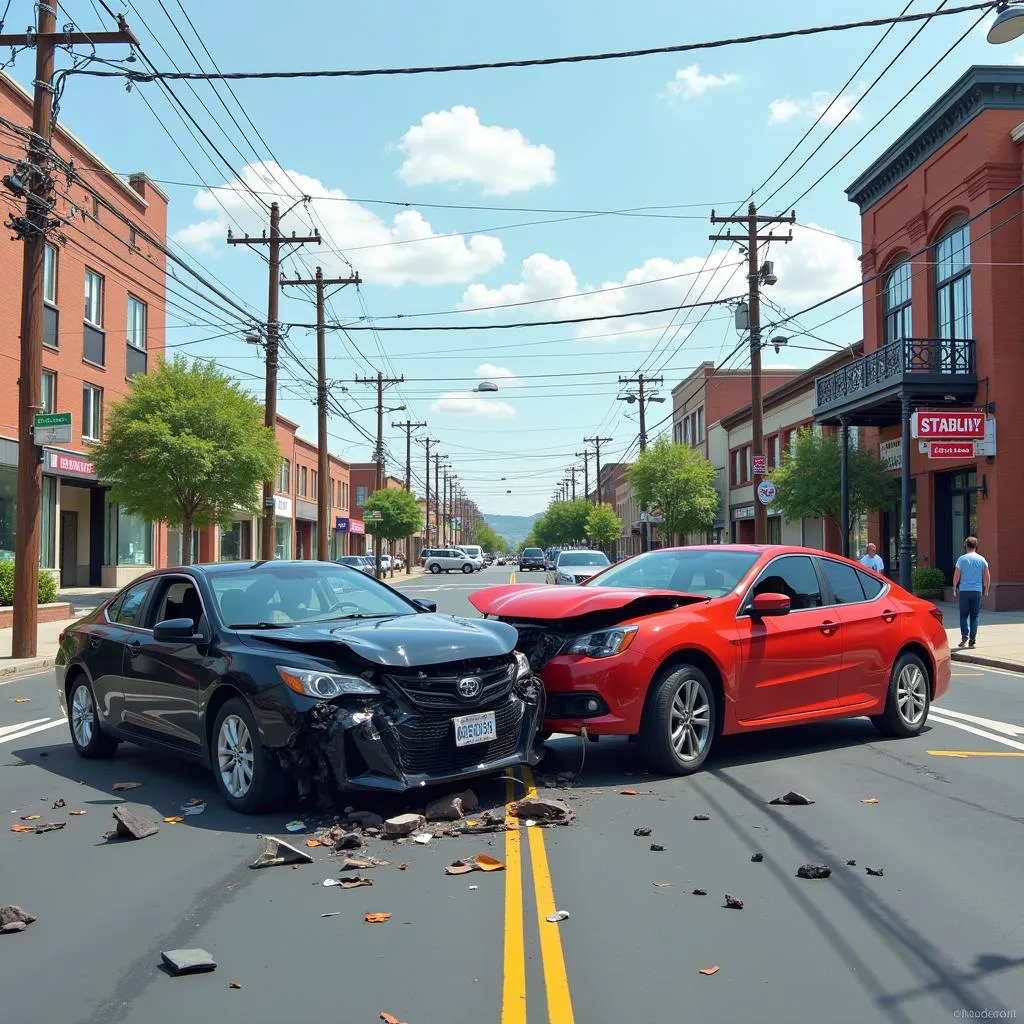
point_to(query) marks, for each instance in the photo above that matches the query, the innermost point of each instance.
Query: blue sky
(647, 132)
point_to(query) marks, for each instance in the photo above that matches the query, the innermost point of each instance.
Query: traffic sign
(766, 492)
(759, 464)
(374, 516)
(52, 428)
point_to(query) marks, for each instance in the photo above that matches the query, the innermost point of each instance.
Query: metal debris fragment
(793, 799)
(813, 871)
(642, 831)
(130, 825)
(273, 851)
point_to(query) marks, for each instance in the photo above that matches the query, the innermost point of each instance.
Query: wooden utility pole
(409, 427)
(381, 383)
(751, 240)
(585, 456)
(35, 185)
(572, 471)
(438, 503)
(323, 496)
(275, 241)
(427, 442)
(642, 398)
(597, 442)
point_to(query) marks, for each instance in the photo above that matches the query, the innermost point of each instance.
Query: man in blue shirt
(971, 579)
(872, 559)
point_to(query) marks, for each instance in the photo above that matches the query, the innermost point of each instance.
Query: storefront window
(338, 543)
(897, 304)
(129, 538)
(953, 289)
(47, 544)
(8, 492)
(283, 538)
(236, 542)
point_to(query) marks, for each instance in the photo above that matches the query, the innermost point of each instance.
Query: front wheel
(678, 725)
(908, 700)
(247, 777)
(87, 736)
(467, 569)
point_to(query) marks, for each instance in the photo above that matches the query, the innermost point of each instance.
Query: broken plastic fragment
(332, 913)
(710, 970)
(657, 848)
(870, 800)
(121, 787)
(174, 820)
(423, 838)
(77, 813)
(404, 866)
(20, 700)
(700, 892)
(756, 858)
(31, 817)
(58, 804)
(662, 885)
(328, 882)
(558, 915)
(628, 792)
(295, 826)
(389, 1018)
(194, 808)
(234, 984)
(641, 831)
(312, 843)
(23, 828)
(703, 816)
(274, 851)
(378, 918)
(485, 863)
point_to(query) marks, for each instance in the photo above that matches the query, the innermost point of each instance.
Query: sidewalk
(1000, 638)
(46, 650)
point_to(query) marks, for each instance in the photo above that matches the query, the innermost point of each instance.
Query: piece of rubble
(49, 826)
(877, 872)
(543, 810)
(367, 819)
(662, 885)
(361, 863)
(703, 816)
(404, 866)
(424, 837)
(558, 915)
(31, 817)
(275, 851)
(58, 804)
(188, 961)
(700, 892)
(452, 808)
(851, 863)
(404, 825)
(121, 787)
(641, 832)
(709, 970)
(870, 800)
(77, 813)
(389, 1018)
(130, 825)
(14, 919)
(354, 881)
(234, 984)
(793, 799)
(377, 918)
(813, 871)
(732, 903)
(348, 841)
(373, 832)
(756, 858)
(657, 848)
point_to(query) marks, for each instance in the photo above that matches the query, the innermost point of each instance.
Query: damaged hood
(542, 602)
(400, 641)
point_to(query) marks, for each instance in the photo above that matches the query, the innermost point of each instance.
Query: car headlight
(325, 685)
(604, 643)
(522, 665)
(564, 578)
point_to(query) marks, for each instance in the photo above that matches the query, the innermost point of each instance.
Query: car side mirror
(770, 604)
(176, 631)
(424, 604)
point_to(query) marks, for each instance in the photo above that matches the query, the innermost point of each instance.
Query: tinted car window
(846, 588)
(872, 587)
(583, 558)
(533, 553)
(794, 576)
(129, 609)
(696, 571)
(178, 600)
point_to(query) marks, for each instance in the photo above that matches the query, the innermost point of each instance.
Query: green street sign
(52, 428)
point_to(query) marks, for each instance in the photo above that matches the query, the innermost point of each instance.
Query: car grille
(427, 745)
(436, 688)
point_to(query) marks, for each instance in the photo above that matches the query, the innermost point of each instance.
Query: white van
(476, 553)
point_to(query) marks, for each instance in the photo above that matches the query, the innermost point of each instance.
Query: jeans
(970, 608)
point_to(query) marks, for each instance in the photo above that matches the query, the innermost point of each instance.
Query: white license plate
(470, 729)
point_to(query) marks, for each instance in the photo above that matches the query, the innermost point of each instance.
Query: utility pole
(572, 471)
(427, 442)
(32, 181)
(585, 456)
(755, 275)
(438, 502)
(597, 442)
(323, 498)
(409, 427)
(642, 399)
(275, 241)
(444, 512)
(380, 382)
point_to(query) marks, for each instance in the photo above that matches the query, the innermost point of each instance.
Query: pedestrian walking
(971, 581)
(871, 559)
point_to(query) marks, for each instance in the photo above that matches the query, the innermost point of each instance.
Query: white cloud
(395, 253)
(690, 83)
(816, 264)
(1019, 59)
(463, 403)
(453, 146)
(831, 109)
(491, 372)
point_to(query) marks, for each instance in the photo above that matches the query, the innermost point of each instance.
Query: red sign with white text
(959, 426)
(951, 450)
(71, 464)
(356, 526)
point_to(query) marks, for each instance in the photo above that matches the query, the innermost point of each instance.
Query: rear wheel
(467, 569)
(908, 700)
(246, 775)
(678, 725)
(87, 736)
(435, 568)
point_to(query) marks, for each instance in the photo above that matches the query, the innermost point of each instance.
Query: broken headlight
(604, 643)
(522, 665)
(325, 685)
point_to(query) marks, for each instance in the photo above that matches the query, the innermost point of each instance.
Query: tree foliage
(488, 538)
(677, 482)
(565, 522)
(807, 482)
(187, 446)
(401, 516)
(603, 526)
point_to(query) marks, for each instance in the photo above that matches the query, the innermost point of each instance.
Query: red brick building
(364, 483)
(943, 245)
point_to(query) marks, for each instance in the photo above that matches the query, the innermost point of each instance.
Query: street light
(1009, 25)
(777, 342)
(486, 385)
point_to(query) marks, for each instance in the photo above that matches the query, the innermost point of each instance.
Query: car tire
(87, 735)
(468, 569)
(675, 694)
(908, 700)
(235, 733)
(434, 568)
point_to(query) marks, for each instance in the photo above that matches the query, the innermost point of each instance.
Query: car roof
(219, 568)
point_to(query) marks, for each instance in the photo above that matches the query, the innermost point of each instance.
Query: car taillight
(936, 613)
(60, 637)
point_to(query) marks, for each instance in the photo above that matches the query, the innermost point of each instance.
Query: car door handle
(134, 648)
(888, 616)
(828, 627)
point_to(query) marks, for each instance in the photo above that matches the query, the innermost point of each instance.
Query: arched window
(953, 283)
(897, 303)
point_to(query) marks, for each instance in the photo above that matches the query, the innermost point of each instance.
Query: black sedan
(297, 675)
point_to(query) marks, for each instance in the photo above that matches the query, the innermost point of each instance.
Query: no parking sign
(766, 492)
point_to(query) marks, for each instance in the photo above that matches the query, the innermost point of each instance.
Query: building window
(133, 240)
(47, 528)
(236, 542)
(313, 492)
(361, 495)
(344, 495)
(897, 303)
(700, 425)
(953, 288)
(284, 477)
(136, 351)
(746, 462)
(48, 392)
(303, 480)
(129, 538)
(92, 412)
(50, 273)
(95, 208)
(283, 538)
(775, 450)
(93, 299)
(687, 438)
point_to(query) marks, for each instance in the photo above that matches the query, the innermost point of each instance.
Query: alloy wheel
(911, 694)
(690, 721)
(83, 715)
(235, 756)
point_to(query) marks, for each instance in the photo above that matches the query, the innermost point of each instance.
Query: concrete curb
(986, 662)
(26, 668)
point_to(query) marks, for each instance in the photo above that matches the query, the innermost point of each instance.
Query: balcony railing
(920, 361)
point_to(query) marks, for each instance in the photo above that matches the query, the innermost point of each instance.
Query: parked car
(680, 645)
(360, 562)
(476, 553)
(279, 675)
(531, 559)
(446, 559)
(500, 560)
(385, 563)
(578, 566)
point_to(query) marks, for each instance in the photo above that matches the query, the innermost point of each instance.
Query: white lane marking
(994, 737)
(986, 723)
(5, 729)
(40, 728)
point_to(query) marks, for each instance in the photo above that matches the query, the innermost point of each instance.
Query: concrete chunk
(404, 824)
(188, 961)
(275, 851)
(130, 825)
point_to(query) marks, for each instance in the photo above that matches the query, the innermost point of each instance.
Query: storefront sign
(341, 524)
(951, 450)
(305, 510)
(953, 426)
(890, 453)
(356, 526)
(69, 465)
(766, 492)
(759, 465)
(282, 506)
(743, 512)
(52, 428)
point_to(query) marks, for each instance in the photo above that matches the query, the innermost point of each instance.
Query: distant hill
(513, 528)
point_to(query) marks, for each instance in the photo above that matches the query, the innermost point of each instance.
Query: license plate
(480, 728)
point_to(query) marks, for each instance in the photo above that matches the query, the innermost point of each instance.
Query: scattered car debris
(877, 872)
(870, 800)
(122, 787)
(130, 825)
(313, 843)
(704, 816)
(479, 862)
(193, 808)
(544, 811)
(21, 700)
(354, 881)
(367, 819)
(273, 851)
(453, 808)
(23, 828)
(793, 799)
(49, 826)
(390, 1018)
(377, 918)
(473, 888)
(176, 819)
(732, 903)
(700, 892)
(348, 841)
(423, 838)
(851, 863)
(558, 915)
(404, 825)
(662, 885)
(234, 984)
(77, 813)
(710, 970)
(332, 913)
(657, 848)
(641, 831)
(58, 804)
(328, 883)
(813, 871)
(31, 817)
(362, 863)
(404, 866)
(295, 826)
(14, 919)
(188, 961)
(628, 792)
(756, 858)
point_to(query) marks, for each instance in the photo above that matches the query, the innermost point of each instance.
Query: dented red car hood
(539, 601)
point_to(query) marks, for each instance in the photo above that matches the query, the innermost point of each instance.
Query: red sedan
(680, 645)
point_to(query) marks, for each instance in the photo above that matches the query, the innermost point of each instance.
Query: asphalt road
(940, 932)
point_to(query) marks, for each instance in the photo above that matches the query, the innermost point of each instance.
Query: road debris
(453, 808)
(21, 700)
(176, 819)
(23, 828)
(662, 885)
(423, 838)
(49, 826)
(700, 892)
(14, 919)
(389, 1018)
(732, 903)
(348, 841)
(877, 872)
(193, 808)
(657, 848)
(273, 851)
(404, 825)
(31, 817)
(130, 825)
(234, 984)
(558, 915)
(354, 881)
(851, 863)
(709, 970)
(332, 913)
(542, 810)
(756, 858)
(362, 863)
(328, 883)
(813, 871)
(77, 813)
(479, 862)
(628, 792)
(641, 831)
(123, 787)
(295, 826)
(704, 816)
(313, 843)
(404, 866)
(792, 799)
(870, 800)
(377, 918)
(473, 888)
(188, 961)
(367, 819)
(58, 804)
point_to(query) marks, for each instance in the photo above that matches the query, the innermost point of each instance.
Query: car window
(709, 573)
(872, 586)
(129, 608)
(846, 588)
(177, 599)
(583, 558)
(794, 576)
(533, 553)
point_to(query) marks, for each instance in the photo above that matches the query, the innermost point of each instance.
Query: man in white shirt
(871, 559)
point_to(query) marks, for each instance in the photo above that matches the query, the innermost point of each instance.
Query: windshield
(533, 553)
(710, 573)
(285, 594)
(582, 558)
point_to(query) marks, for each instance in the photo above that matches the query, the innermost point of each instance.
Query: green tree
(604, 527)
(530, 540)
(676, 481)
(566, 522)
(489, 539)
(187, 446)
(401, 516)
(807, 482)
